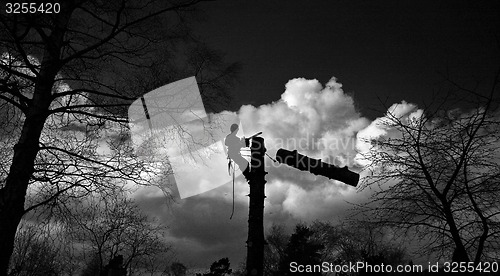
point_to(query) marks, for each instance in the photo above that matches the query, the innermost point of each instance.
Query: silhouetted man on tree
(234, 145)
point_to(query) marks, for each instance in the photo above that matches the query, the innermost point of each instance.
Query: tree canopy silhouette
(65, 81)
(219, 268)
(438, 170)
(303, 250)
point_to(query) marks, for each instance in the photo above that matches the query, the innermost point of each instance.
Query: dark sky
(395, 49)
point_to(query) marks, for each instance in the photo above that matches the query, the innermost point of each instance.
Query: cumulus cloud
(382, 128)
(317, 121)
(320, 121)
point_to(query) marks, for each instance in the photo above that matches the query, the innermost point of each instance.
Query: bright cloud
(317, 121)
(382, 128)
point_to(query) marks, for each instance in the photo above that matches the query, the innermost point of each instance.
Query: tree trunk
(256, 240)
(13, 194)
(460, 253)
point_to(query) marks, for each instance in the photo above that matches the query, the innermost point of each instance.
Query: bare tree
(276, 240)
(358, 241)
(112, 225)
(438, 173)
(65, 82)
(38, 251)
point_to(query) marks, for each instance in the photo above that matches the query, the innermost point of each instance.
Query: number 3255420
(25, 8)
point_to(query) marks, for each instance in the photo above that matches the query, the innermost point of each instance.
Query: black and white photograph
(249, 138)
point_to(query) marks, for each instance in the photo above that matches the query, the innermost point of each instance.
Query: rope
(232, 212)
(274, 160)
